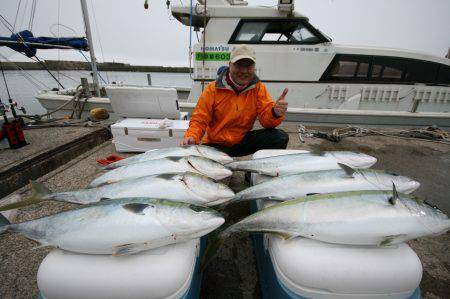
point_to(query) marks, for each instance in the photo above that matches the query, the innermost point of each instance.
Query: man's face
(242, 71)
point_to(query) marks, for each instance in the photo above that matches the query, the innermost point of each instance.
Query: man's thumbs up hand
(281, 105)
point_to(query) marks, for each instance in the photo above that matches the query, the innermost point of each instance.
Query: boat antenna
(91, 46)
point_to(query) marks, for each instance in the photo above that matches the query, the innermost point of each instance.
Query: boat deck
(233, 273)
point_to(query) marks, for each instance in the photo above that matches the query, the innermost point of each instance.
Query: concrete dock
(233, 273)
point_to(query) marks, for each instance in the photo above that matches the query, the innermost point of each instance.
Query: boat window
(421, 71)
(376, 71)
(344, 69)
(251, 32)
(387, 69)
(348, 67)
(444, 74)
(363, 69)
(276, 31)
(383, 69)
(392, 73)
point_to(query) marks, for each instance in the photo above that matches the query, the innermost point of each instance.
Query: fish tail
(38, 193)
(4, 223)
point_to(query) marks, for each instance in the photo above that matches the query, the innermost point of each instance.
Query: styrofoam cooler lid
(315, 269)
(151, 124)
(164, 272)
(144, 101)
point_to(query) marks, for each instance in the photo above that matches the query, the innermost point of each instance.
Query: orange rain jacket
(226, 116)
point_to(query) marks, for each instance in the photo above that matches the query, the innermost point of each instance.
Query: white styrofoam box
(140, 135)
(315, 269)
(144, 101)
(164, 272)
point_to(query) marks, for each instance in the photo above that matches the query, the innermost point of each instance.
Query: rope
(25, 44)
(23, 15)
(17, 13)
(89, 62)
(429, 134)
(33, 11)
(23, 73)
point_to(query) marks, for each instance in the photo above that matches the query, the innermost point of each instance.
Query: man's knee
(277, 138)
(282, 138)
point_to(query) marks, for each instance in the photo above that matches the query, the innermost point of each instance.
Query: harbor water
(25, 85)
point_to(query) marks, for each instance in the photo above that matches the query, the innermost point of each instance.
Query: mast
(91, 46)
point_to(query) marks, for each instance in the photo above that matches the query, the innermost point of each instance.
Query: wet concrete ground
(233, 273)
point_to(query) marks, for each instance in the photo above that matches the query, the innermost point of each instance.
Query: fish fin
(215, 241)
(38, 194)
(348, 170)
(174, 159)
(166, 176)
(127, 249)
(317, 153)
(41, 245)
(394, 198)
(100, 185)
(4, 223)
(309, 194)
(388, 240)
(136, 208)
(105, 198)
(285, 236)
(276, 198)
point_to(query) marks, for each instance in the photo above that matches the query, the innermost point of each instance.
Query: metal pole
(91, 46)
(149, 79)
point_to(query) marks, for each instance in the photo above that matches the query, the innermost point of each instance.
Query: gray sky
(130, 34)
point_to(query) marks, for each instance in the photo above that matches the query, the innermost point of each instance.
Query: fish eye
(196, 208)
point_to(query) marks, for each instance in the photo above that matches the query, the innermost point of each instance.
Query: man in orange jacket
(228, 107)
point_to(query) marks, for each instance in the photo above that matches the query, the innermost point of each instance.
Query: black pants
(256, 140)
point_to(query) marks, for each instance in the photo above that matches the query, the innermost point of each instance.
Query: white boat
(328, 83)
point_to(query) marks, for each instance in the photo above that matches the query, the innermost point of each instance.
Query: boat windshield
(276, 31)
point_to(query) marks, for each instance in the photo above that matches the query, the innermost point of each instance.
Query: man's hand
(187, 141)
(281, 105)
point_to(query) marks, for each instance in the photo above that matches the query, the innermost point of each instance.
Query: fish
(193, 164)
(303, 162)
(372, 218)
(185, 187)
(121, 227)
(192, 150)
(325, 181)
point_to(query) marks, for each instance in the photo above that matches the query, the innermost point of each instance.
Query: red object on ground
(110, 159)
(14, 133)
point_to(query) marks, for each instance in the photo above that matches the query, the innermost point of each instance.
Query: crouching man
(228, 107)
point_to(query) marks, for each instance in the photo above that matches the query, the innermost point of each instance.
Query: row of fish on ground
(166, 196)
